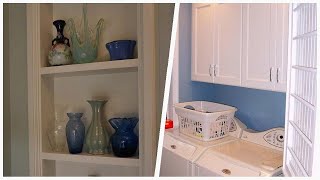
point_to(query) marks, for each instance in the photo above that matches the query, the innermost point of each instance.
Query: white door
(257, 68)
(202, 42)
(280, 27)
(302, 145)
(227, 43)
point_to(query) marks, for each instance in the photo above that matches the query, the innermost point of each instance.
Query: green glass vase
(84, 40)
(97, 138)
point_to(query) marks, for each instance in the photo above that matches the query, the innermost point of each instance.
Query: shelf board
(91, 68)
(106, 159)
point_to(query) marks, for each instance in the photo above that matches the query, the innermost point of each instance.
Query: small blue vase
(121, 49)
(124, 141)
(75, 132)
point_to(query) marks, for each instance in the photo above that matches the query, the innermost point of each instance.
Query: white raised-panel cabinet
(240, 44)
(202, 42)
(280, 22)
(227, 43)
(128, 85)
(257, 67)
(265, 44)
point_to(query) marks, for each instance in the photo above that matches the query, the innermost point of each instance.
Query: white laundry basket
(208, 121)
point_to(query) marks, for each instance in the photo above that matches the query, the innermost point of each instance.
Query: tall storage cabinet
(128, 85)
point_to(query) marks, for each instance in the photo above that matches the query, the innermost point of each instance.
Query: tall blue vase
(124, 141)
(75, 132)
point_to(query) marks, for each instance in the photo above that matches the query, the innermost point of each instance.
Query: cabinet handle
(210, 67)
(277, 75)
(173, 146)
(214, 70)
(270, 75)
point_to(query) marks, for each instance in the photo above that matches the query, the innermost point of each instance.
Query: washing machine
(254, 154)
(180, 151)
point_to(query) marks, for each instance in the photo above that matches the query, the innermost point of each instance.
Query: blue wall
(259, 110)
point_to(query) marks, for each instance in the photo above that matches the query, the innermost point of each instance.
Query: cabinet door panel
(280, 32)
(202, 42)
(257, 69)
(228, 43)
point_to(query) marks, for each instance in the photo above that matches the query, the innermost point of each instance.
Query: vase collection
(95, 140)
(84, 42)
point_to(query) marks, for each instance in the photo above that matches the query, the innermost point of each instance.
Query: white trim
(172, 59)
(316, 145)
(33, 56)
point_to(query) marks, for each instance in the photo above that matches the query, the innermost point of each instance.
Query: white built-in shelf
(91, 68)
(106, 159)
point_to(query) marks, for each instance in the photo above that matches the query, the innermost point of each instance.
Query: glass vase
(75, 132)
(124, 141)
(84, 40)
(96, 138)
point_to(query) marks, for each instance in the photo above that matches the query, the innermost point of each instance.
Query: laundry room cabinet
(128, 85)
(202, 42)
(247, 44)
(265, 46)
(216, 31)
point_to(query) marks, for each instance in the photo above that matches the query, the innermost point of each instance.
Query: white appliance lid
(251, 154)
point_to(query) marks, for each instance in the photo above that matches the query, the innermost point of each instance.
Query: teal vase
(97, 138)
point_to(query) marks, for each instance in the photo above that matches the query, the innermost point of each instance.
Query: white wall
(18, 90)
(6, 95)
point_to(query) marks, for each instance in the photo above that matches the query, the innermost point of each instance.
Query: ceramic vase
(75, 132)
(124, 141)
(60, 53)
(96, 138)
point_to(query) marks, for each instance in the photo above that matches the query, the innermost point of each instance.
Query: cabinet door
(227, 43)
(280, 26)
(257, 71)
(202, 42)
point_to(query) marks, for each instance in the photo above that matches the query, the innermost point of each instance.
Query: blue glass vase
(124, 141)
(75, 132)
(96, 137)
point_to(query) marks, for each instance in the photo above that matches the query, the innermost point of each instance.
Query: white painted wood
(33, 39)
(107, 159)
(147, 91)
(202, 42)
(85, 169)
(93, 68)
(257, 68)
(301, 140)
(227, 43)
(280, 30)
(129, 85)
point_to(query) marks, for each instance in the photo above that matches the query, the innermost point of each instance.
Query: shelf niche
(70, 86)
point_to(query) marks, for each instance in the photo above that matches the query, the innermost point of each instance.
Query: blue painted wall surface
(259, 110)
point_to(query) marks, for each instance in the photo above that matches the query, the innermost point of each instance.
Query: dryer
(180, 152)
(254, 154)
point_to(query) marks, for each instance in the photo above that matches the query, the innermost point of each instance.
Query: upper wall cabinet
(265, 39)
(247, 45)
(227, 44)
(202, 42)
(216, 32)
